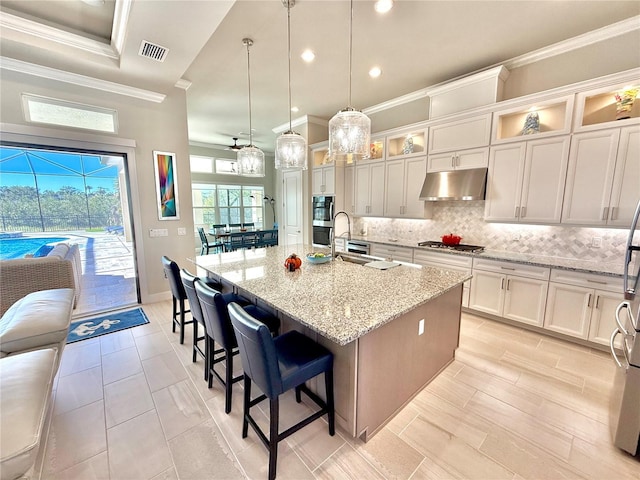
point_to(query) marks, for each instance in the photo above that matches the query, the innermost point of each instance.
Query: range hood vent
(455, 185)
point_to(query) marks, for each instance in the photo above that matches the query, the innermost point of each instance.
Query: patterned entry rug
(113, 322)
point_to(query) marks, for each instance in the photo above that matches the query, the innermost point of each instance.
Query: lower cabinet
(583, 305)
(401, 254)
(457, 263)
(514, 291)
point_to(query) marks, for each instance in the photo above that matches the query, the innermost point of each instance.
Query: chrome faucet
(333, 231)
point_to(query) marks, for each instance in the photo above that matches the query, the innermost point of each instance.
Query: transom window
(227, 204)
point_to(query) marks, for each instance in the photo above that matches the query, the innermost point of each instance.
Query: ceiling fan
(235, 145)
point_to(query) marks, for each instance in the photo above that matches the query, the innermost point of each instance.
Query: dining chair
(219, 330)
(172, 273)
(249, 240)
(277, 365)
(235, 226)
(206, 245)
(234, 242)
(249, 226)
(188, 282)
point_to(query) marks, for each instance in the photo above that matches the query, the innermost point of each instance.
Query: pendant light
(250, 158)
(291, 147)
(349, 129)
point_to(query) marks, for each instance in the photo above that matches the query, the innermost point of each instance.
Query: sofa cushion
(40, 319)
(25, 382)
(60, 251)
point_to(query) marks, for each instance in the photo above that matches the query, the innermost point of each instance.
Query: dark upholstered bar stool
(277, 365)
(188, 281)
(172, 273)
(216, 316)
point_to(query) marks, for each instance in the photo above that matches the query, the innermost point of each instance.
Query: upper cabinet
(603, 177)
(526, 181)
(460, 135)
(551, 117)
(378, 148)
(407, 143)
(458, 160)
(613, 106)
(369, 189)
(320, 155)
(403, 183)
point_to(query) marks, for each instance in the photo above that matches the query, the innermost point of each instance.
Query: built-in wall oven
(322, 216)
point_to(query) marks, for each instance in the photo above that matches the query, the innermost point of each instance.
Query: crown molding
(589, 38)
(584, 40)
(297, 122)
(80, 80)
(15, 23)
(183, 84)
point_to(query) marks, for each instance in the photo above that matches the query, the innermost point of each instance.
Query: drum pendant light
(250, 158)
(291, 147)
(349, 129)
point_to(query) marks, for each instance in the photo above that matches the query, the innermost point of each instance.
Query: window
(201, 164)
(59, 112)
(227, 204)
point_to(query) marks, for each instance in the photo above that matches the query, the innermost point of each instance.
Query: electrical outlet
(421, 327)
(516, 237)
(596, 242)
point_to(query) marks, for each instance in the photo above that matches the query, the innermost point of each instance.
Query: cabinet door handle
(589, 301)
(605, 213)
(502, 284)
(508, 284)
(517, 214)
(614, 213)
(523, 212)
(597, 301)
(453, 161)
(599, 282)
(507, 268)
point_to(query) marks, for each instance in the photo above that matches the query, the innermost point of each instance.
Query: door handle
(523, 212)
(453, 161)
(605, 213)
(614, 213)
(508, 283)
(517, 213)
(589, 301)
(597, 301)
(502, 284)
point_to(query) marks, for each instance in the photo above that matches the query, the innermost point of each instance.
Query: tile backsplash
(466, 219)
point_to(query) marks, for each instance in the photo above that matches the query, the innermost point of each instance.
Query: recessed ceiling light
(383, 6)
(375, 72)
(308, 55)
(295, 109)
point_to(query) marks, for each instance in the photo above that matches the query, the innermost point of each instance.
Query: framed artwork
(164, 164)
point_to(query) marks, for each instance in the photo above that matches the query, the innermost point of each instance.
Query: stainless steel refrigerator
(625, 419)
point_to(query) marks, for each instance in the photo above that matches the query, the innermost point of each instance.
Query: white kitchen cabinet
(526, 181)
(582, 305)
(403, 182)
(446, 261)
(458, 160)
(462, 134)
(323, 180)
(407, 142)
(514, 291)
(369, 189)
(392, 252)
(603, 180)
(349, 190)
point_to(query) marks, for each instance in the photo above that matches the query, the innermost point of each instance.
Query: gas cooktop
(460, 247)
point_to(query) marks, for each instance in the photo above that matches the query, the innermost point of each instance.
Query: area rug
(113, 322)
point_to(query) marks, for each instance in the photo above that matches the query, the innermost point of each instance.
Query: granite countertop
(601, 268)
(339, 300)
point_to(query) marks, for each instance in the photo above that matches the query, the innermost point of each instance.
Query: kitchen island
(390, 331)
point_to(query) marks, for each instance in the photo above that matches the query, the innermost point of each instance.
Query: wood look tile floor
(513, 405)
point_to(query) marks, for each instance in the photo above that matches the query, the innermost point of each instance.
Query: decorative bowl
(451, 239)
(318, 260)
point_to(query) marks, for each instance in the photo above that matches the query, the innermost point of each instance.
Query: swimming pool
(19, 247)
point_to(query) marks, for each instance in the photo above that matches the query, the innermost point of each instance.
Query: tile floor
(513, 405)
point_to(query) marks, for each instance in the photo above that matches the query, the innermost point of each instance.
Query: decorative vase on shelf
(531, 124)
(407, 146)
(624, 103)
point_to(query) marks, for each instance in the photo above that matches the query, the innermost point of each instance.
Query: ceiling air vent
(155, 52)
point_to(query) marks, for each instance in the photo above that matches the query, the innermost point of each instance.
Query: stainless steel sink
(352, 259)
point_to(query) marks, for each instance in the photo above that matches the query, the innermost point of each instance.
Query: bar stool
(172, 273)
(219, 329)
(277, 365)
(188, 281)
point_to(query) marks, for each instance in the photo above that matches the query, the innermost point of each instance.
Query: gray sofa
(33, 333)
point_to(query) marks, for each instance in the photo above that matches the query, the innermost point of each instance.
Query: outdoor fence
(37, 223)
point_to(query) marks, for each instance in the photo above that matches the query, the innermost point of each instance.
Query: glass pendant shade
(250, 162)
(291, 151)
(349, 136)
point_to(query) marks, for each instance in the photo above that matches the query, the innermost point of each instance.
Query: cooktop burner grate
(460, 247)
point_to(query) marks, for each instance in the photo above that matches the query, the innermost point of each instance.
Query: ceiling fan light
(250, 162)
(349, 136)
(291, 151)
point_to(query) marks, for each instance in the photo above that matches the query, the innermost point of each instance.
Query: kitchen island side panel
(395, 363)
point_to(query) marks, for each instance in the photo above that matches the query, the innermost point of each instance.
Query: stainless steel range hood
(455, 185)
